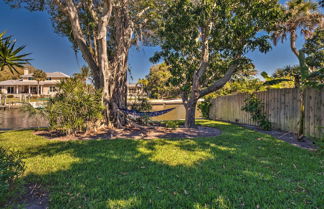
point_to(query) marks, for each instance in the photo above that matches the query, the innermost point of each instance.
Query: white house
(28, 85)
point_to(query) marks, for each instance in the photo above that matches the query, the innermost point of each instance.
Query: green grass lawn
(238, 169)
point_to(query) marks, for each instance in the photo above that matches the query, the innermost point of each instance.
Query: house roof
(49, 75)
(26, 83)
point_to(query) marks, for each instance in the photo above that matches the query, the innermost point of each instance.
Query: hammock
(146, 114)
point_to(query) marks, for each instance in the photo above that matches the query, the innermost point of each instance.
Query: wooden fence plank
(281, 107)
(318, 113)
(321, 133)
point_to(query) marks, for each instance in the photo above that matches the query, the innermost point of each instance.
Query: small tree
(156, 83)
(205, 42)
(39, 76)
(76, 108)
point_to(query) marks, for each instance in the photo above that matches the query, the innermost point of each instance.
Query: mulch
(158, 131)
(289, 137)
(142, 132)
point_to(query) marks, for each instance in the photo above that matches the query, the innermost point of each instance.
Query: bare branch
(140, 14)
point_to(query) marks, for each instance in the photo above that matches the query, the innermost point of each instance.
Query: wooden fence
(281, 107)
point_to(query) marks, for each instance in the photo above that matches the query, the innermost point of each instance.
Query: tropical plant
(300, 15)
(84, 74)
(204, 43)
(77, 107)
(255, 107)
(10, 55)
(11, 167)
(39, 76)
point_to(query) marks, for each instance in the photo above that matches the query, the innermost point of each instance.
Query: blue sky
(52, 52)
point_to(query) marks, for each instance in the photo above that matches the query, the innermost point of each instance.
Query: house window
(10, 90)
(48, 79)
(30, 78)
(52, 89)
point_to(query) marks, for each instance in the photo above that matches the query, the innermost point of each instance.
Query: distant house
(134, 90)
(28, 85)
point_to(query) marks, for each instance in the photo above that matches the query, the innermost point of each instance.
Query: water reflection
(17, 119)
(177, 114)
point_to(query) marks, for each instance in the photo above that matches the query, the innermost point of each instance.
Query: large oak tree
(205, 42)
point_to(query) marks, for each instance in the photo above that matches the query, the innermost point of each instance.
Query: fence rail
(281, 107)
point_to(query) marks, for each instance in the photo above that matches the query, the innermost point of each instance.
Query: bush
(204, 107)
(172, 124)
(11, 167)
(254, 106)
(77, 107)
(141, 104)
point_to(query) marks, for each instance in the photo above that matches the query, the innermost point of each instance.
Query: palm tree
(299, 14)
(9, 54)
(39, 76)
(84, 74)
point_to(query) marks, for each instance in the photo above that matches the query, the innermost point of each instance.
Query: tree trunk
(302, 114)
(115, 99)
(190, 113)
(293, 38)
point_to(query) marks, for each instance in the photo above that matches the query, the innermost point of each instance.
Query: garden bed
(141, 132)
(286, 136)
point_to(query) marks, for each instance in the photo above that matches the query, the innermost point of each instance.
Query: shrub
(76, 107)
(141, 104)
(255, 106)
(172, 124)
(11, 167)
(204, 106)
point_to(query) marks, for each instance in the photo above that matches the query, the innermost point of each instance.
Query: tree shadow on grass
(229, 171)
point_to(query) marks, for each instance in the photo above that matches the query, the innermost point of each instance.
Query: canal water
(17, 119)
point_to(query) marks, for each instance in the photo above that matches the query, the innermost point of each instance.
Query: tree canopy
(205, 42)
(156, 83)
(300, 15)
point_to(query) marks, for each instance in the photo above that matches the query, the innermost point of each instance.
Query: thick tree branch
(220, 82)
(104, 19)
(71, 11)
(205, 50)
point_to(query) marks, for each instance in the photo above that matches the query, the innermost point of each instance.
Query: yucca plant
(10, 55)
